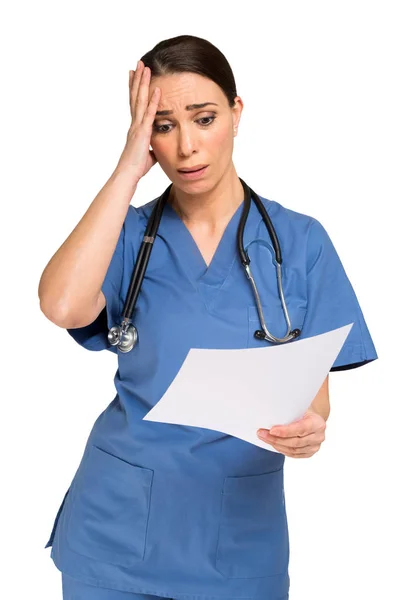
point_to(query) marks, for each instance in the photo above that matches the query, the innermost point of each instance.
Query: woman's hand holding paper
(300, 439)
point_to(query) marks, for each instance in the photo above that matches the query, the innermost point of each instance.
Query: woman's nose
(186, 142)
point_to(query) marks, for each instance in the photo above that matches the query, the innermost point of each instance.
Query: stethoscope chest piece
(123, 336)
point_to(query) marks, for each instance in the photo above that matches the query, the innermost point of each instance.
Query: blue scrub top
(187, 512)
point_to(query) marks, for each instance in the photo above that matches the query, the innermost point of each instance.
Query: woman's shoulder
(136, 219)
(141, 212)
(287, 219)
(299, 233)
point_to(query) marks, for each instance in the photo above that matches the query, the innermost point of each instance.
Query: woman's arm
(70, 286)
(320, 404)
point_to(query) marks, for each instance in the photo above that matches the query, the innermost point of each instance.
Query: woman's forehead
(182, 90)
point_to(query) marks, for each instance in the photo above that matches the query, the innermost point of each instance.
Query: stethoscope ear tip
(260, 335)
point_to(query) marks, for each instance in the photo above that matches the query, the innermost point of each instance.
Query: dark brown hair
(188, 53)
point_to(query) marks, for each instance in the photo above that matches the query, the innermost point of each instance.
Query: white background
(320, 134)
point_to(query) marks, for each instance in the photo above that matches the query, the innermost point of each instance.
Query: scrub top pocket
(253, 537)
(110, 509)
(275, 321)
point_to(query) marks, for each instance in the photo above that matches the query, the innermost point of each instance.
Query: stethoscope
(125, 336)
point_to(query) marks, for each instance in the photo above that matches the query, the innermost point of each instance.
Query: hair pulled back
(192, 54)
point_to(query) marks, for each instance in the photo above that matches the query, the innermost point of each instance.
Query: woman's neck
(212, 208)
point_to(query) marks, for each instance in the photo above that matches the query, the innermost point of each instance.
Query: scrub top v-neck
(188, 512)
(206, 278)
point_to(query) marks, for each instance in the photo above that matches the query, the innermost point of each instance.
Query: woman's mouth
(193, 174)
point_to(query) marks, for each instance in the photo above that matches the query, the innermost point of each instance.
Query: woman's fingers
(151, 109)
(139, 94)
(137, 154)
(142, 110)
(143, 95)
(293, 442)
(134, 87)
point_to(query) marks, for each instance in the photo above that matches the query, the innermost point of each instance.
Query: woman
(161, 510)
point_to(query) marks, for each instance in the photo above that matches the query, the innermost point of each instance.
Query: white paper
(238, 391)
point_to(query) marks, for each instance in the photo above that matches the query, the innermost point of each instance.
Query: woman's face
(185, 137)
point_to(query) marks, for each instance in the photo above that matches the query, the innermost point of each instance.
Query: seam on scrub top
(210, 307)
(219, 525)
(353, 354)
(148, 516)
(188, 273)
(362, 338)
(168, 595)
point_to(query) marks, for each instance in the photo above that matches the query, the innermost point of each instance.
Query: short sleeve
(94, 336)
(332, 302)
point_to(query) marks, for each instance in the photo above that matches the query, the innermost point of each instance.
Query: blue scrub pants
(73, 589)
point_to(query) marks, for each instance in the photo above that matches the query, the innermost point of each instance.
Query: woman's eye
(205, 119)
(158, 128)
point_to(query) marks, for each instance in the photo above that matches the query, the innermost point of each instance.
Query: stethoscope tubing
(144, 255)
(125, 336)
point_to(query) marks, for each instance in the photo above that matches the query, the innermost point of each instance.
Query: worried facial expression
(194, 125)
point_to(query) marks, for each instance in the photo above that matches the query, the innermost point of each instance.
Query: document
(238, 391)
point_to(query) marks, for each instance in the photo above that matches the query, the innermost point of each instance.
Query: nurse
(171, 511)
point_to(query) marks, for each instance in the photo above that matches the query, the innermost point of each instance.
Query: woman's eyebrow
(188, 107)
